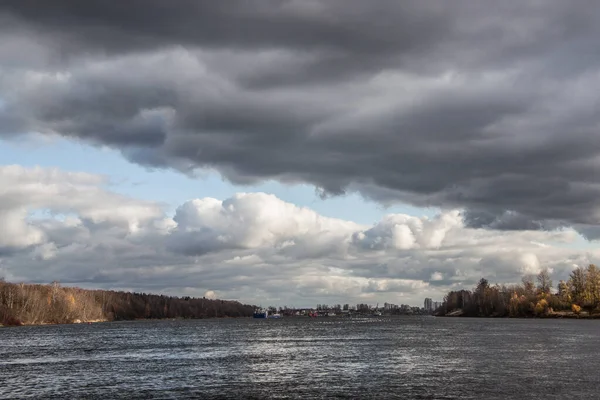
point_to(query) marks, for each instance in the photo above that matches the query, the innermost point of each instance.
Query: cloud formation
(57, 225)
(491, 109)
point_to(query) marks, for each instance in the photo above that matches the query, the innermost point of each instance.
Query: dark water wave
(372, 358)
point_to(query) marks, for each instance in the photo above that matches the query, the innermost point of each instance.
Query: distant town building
(428, 304)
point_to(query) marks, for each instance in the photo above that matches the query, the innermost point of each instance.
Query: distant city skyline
(429, 305)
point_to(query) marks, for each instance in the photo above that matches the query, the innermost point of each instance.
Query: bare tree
(544, 281)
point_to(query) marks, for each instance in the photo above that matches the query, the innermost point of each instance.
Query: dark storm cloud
(486, 106)
(238, 24)
(506, 220)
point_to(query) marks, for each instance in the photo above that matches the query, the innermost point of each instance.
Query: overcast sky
(298, 151)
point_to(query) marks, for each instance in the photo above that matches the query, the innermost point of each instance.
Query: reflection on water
(405, 358)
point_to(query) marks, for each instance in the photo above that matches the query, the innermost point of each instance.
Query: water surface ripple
(297, 358)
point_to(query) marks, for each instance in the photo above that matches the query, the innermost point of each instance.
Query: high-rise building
(428, 304)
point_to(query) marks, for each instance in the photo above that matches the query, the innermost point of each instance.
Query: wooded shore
(578, 297)
(34, 304)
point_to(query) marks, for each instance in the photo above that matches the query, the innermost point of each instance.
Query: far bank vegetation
(27, 304)
(579, 296)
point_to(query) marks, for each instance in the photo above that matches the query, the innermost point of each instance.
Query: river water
(379, 358)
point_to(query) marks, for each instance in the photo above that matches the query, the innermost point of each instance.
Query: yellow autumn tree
(541, 308)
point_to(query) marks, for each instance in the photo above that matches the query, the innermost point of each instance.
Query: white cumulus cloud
(58, 225)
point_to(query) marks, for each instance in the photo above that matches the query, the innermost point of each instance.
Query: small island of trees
(579, 296)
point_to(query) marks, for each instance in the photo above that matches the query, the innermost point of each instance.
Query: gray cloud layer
(488, 107)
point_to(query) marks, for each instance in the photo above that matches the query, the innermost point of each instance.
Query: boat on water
(260, 313)
(377, 313)
(275, 316)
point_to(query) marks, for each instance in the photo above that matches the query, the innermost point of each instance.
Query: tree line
(53, 304)
(534, 296)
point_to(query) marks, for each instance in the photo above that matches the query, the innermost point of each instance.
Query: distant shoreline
(552, 315)
(117, 320)
(213, 318)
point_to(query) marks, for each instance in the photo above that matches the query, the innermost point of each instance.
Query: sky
(295, 152)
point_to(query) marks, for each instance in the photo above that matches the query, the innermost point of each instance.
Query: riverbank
(550, 315)
(86, 322)
(16, 324)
